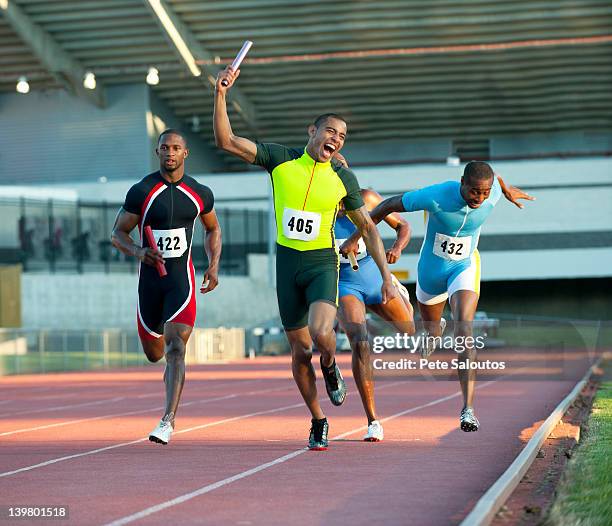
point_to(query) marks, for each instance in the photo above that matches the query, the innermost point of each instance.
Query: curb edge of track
(488, 505)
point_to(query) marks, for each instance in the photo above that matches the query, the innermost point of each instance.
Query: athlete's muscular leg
(431, 316)
(303, 371)
(399, 312)
(352, 317)
(463, 305)
(176, 336)
(321, 318)
(153, 349)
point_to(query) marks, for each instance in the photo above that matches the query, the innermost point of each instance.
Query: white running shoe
(427, 346)
(162, 433)
(375, 432)
(468, 420)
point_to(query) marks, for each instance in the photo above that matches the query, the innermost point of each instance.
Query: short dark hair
(172, 131)
(322, 119)
(478, 171)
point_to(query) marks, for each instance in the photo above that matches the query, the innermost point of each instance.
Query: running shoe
(427, 346)
(375, 432)
(162, 433)
(334, 383)
(317, 441)
(468, 420)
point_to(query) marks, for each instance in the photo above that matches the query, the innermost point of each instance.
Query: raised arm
(125, 222)
(225, 139)
(402, 229)
(368, 231)
(212, 245)
(512, 193)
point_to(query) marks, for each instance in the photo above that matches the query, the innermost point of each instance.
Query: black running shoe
(318, 435)
(468, 420)
(334, 383)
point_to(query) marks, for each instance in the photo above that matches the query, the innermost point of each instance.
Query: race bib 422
(171, 243)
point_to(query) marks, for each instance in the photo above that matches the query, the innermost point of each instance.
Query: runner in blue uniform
(360, 290)
(449, 262)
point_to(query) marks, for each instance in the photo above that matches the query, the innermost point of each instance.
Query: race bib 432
(452, 248)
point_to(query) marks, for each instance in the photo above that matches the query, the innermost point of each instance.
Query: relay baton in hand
(353, 261)
(161, 268)
(239, 57)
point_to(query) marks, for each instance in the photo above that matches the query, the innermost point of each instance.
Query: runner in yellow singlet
(308, 186)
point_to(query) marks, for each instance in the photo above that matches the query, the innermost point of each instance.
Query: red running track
(237, 457)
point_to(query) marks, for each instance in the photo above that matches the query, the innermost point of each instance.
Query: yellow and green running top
(306, 195)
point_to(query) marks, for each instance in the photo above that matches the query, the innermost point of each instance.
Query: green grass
(32, 363)
(584, 497)
(531, 335)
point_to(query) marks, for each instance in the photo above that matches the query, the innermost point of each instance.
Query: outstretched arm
(402, 229)
(225, 139)
(367, 229)
(125, 222)
(212, 245)
(512, 193)
(388, 206)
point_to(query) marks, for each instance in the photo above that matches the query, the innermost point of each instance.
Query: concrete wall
(97, 300)
(52, 136)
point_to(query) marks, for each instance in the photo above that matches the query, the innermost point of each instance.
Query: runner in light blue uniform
(357, 290)
(449, 260)
(449, 263)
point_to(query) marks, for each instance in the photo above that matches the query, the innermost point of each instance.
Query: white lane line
(158, 392)
(123, 444)
(239, 476)
(218, 422)
(137, 412)
(60, 407)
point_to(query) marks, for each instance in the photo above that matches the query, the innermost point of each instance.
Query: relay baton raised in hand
(353, 261)
(161, 268)
(239, 57)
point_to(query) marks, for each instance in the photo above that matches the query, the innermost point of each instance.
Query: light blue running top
(453, 228)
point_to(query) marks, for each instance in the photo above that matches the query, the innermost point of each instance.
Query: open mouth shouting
(328, 150)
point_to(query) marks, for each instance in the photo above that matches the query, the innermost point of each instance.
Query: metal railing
(30, 351)
(74, 236)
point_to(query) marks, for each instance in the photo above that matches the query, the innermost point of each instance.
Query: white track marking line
(210, 424)
(219, 484)
(60, 407)
(123, 444)
(137, 412)
(158, 392)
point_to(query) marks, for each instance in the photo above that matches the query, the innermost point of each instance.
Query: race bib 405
(302, 225)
